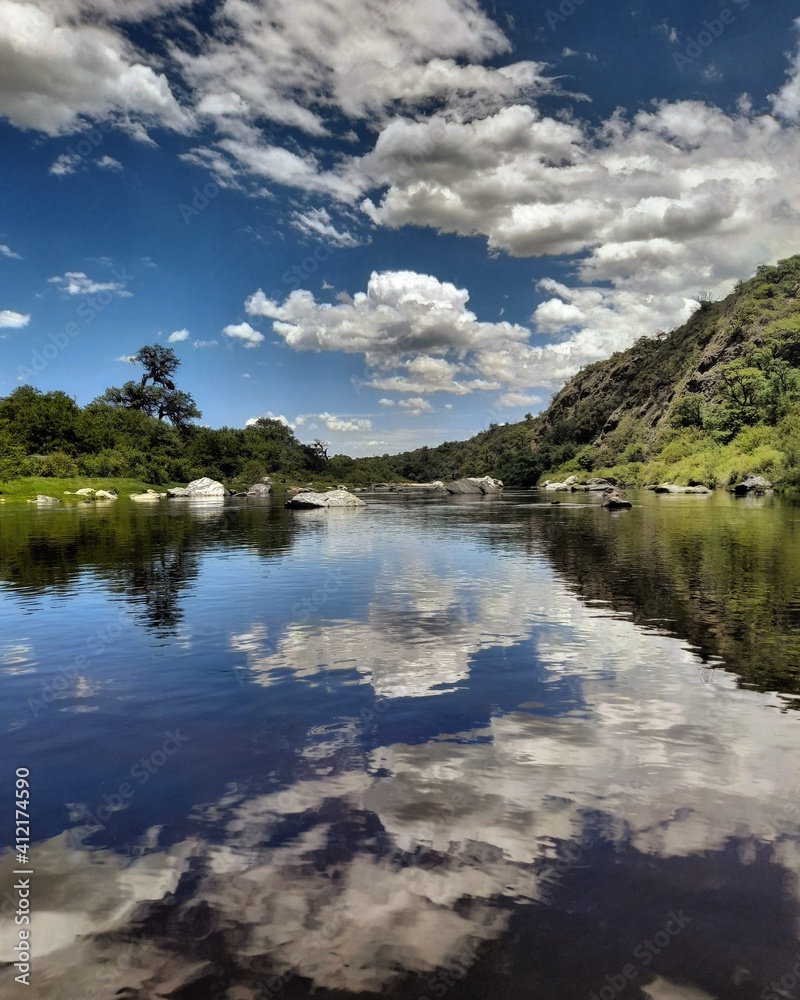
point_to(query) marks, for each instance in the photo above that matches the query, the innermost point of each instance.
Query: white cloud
(13, 320)
(317, 222)
(331, 422)
(177, 336)
(297, 62)
(244, 332)
(786, 103)
(77, 283)
(108, 163)
(58, 68)
(65, 164)
(518, 399)
(127, 358)
(415, 406)
(204, 343)
(386, 402)
(6, 251)
(418, 337)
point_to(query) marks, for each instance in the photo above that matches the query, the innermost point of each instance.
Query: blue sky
(389, 224)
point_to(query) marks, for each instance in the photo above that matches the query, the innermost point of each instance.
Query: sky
(386, 223)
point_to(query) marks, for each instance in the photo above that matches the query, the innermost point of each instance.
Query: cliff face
(644, 382)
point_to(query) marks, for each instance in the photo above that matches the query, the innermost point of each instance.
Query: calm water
(463, 748)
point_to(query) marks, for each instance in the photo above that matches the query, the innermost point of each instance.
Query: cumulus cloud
(77, 283)
(13, 320)
(57, 69)
(786, 103)
(245, 333)
(297, 62)
(343, 424)
(177, 336)
(402, 313)
(415, 406)
(6, 251)
(66, 163)
(418, 337)
(386, 402)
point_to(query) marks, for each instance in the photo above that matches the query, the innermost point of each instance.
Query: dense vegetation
(711, 402)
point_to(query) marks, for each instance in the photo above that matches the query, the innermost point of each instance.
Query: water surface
(465, 747)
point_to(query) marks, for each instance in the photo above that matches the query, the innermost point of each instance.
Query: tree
(155, 393)
(687, 411)
(320, 448)
(160, 364)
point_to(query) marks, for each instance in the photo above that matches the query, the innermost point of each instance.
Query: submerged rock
(333, 498)
(147, 497)
(614, 499)
(105, 495)
(259, 490)
(43, 499)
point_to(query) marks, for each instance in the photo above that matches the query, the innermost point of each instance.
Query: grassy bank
(27, 487)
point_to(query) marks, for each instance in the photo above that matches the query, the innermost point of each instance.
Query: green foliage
(161, 398)
(687, 411)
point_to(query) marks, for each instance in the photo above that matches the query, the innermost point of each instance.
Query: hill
(711, 402)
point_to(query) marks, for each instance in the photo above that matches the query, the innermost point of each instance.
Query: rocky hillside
(646, 383)
(732, 367)
(711, 402)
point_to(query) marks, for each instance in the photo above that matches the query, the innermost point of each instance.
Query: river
(465, 748)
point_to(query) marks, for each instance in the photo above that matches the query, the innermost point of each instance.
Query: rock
(333, 498)
(557, 487)
(753, 484)
(43, 499)
(259, 490)
(87, 491)
(473, 484)
(461, 486)
(295, 490)
(614, 499)
(571, 481)
(145, 497)
(597, 485)
(105, 495)
(555, 503)
(198, 489)
(672, 488)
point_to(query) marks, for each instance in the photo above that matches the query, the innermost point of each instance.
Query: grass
(28, 487)
(694, 458)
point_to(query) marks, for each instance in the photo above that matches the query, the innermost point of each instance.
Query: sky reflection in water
(409, 759)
